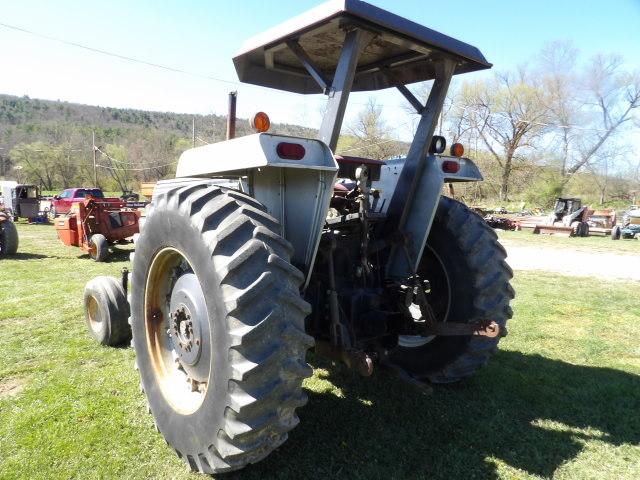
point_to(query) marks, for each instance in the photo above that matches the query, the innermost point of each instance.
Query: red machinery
(95, 223)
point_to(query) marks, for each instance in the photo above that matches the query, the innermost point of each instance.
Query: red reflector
(450, 166)
(290, 151)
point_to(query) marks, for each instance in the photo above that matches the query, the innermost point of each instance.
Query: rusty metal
(355, 359)
(450, 329)
(231, 116)
(554, 230)
(180, 389)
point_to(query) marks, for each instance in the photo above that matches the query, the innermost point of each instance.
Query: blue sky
(202, 36)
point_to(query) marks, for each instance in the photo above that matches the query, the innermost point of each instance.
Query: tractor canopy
(400, 52)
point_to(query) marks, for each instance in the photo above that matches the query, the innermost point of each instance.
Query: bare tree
(586, 108)
(611, 95)
(508, 114)
(373, 138)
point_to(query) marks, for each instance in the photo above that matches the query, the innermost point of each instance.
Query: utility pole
(95, 172)
(193, 130)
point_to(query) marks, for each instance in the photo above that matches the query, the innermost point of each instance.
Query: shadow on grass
(531, 412)
(29, 256)
(116, 255)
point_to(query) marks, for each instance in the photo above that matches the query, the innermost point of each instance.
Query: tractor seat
(348, 165)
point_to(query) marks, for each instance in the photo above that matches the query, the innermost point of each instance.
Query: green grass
(599, 244)
(561, 399)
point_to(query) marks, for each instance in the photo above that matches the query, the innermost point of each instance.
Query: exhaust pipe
(231, 116)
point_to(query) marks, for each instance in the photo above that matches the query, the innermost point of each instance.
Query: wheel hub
(182, 327)
(189, 327)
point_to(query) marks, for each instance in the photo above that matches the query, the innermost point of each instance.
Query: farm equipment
(630, 225)
(93, 224)
(569, 218)
(601, 222)
(21, 200)
(8, 235)
(231, 286)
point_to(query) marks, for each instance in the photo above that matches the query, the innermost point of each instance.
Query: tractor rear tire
(218, 326)
(99, 247)
(106, 311)
(8, 238)
(469, 279)
(616, 232)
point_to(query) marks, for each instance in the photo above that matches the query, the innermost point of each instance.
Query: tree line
(548, 126)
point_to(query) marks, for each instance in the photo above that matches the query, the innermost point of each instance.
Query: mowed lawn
(561, 399)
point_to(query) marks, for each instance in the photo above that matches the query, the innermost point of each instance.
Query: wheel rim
(177, 331)
(93, 249)
(439, 297)
(93, 311)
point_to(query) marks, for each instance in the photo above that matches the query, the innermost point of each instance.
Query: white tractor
(250, 256)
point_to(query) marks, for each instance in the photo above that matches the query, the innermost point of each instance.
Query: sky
(202, 37)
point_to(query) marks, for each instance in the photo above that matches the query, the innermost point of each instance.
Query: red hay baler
(95, 223)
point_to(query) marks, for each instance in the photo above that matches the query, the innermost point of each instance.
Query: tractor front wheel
(98, 247)
(218, 327)
(106, 311)
(469, 282)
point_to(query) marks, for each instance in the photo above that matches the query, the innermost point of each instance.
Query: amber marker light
(260, 122)
(457, 150)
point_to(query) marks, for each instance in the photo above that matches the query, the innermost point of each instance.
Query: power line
(142, 169)
(107, 167)
(117, 55)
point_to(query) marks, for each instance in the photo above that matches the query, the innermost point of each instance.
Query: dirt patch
(571, 262)
(11, 387)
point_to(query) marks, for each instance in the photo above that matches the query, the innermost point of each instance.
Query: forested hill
(51, 141)
(21, 117)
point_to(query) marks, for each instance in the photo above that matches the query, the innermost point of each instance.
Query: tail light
(290, 151)
(450, 166)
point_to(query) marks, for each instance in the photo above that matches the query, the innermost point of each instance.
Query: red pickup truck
(61, 204)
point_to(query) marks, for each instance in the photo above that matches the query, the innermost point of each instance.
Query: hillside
(51, 141)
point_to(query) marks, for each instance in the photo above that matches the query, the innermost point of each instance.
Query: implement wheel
(98, 247)
(218, 327)
(8, 237)
(106, 311)
(469, 282)
(616, 232)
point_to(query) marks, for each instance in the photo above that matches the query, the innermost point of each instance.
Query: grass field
(561, 399)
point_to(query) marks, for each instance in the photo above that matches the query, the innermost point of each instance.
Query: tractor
(250, 256)
(630, 227)
(569, 218)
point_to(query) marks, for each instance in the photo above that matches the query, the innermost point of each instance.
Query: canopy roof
(406, 48)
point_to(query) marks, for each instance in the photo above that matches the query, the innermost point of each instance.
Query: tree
(509, 116)
(37, 161)
(587, 108)
(114, 160)
(373, 138)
